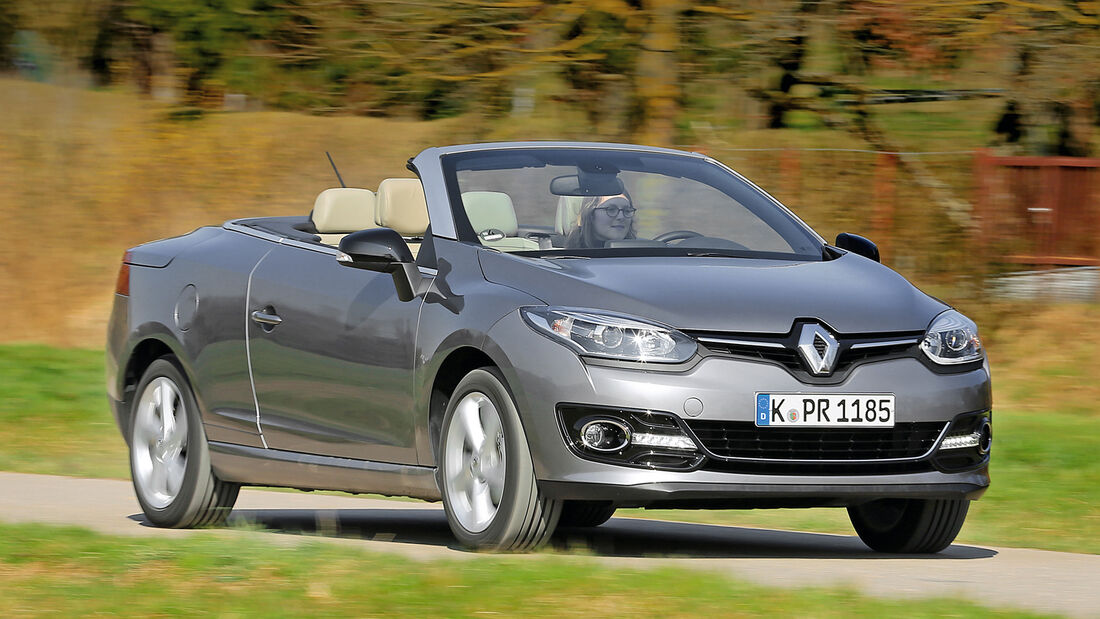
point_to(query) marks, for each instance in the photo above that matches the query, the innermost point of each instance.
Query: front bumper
(764, 494)
(542, 374)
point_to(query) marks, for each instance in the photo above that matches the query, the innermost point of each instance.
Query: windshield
(602, 202)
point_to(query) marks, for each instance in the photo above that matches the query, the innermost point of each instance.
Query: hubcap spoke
(174, 475)
(481, 504)
(168, 411)
(147, 426)
(461, 480)
(494, 476)
(469, 415)
(158, 480)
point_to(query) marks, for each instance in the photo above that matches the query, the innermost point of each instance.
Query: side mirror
(857, 245)
(384, 251)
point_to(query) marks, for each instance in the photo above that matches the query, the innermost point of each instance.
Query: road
(1038, 580)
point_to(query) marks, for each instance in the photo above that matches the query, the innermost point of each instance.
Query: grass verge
(73, 572)
(54, 417)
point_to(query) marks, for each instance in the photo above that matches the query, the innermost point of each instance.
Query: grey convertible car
(537, 334)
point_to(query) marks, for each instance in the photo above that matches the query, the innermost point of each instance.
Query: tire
(909, 526)
(169, 457)
(490, 495)
(585, 513)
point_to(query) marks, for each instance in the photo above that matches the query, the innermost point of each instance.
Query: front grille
(742, 439)
(782, 350)
(785, 357)
(849, 357)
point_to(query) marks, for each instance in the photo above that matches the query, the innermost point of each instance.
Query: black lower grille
(742, 439)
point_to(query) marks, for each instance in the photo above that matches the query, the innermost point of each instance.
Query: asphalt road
(1038, 580)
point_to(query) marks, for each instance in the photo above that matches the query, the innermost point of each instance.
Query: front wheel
(169, 457)
(486, 476)
(909, 526)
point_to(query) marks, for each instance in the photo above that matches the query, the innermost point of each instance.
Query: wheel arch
(141, 356)
(458, 363)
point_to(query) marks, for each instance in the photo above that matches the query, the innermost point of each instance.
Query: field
(84, 175)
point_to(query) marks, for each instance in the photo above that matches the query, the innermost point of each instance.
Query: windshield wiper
(712, 254)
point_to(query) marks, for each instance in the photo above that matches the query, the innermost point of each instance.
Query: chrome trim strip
(935, 445)
(248, 346)
(737, 342)
(282, 240)
(883, 344)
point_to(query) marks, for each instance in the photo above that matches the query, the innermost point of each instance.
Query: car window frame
(464, 232)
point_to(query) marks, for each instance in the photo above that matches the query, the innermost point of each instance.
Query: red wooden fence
(1038, 210)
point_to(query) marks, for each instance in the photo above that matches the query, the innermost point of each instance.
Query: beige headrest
(401, 206)
(568, 208)
(490, 209)
(343, 210)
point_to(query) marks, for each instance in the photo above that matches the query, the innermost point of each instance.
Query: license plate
(807, 410)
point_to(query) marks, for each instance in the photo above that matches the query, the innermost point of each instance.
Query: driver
(602, 219)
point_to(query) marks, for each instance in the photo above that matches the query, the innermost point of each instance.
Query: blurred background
(955, 134)
(960, 135)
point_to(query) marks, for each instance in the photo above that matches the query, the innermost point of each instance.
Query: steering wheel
(676, 235)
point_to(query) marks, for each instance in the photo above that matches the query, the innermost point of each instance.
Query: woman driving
(602, 219)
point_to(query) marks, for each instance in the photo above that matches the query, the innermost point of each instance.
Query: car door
(331, 352)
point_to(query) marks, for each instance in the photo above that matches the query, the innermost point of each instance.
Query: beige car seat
(493, 217)
(400, 205)
(569, 207)
(338, 212)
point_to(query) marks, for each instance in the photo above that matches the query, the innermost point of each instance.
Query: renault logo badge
(818, 348)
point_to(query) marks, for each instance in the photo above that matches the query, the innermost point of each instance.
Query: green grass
(54, 419)
(60, 571)
(54, 416)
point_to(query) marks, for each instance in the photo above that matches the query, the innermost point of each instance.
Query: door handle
(267, 316)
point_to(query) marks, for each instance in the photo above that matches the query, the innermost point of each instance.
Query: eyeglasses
(613, 207)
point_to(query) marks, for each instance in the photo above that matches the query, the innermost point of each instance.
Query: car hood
(850, 294)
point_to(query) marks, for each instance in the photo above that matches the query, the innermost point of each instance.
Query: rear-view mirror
(591, 184)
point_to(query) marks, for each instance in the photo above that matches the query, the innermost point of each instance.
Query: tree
(9, 23)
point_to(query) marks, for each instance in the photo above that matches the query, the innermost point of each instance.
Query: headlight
(952, 338)
(611, 336)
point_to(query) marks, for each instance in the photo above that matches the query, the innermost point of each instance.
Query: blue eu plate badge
(763, 408)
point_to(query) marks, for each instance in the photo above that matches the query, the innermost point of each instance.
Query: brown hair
(583, 236)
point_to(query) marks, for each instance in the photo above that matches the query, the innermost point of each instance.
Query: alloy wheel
(475, 462)
(159, 446)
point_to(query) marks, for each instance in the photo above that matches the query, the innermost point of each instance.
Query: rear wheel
(485, 473)
(585, 513)
(909, 526)
(169, 457)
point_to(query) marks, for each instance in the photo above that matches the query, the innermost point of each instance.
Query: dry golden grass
(85, 175)
(1043, 358)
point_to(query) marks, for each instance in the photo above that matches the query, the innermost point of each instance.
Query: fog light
(961, 441)
(667, 441)
(605, 435)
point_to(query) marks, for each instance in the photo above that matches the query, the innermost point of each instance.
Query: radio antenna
(331, 162)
